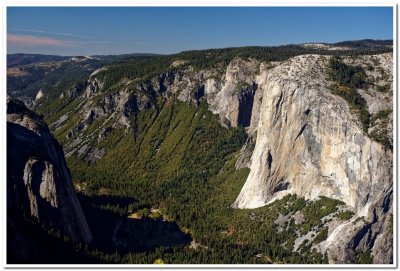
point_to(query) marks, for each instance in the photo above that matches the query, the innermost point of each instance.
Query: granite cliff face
(233, 98)
(39, 184)
(309, 143)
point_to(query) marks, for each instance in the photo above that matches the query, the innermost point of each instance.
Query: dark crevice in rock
(199, 93)
(301, 131)
(281, 187)
(131, 105)
(269, 160)
(278, 105)
(246, 101)
(386, 202)
(363, 235)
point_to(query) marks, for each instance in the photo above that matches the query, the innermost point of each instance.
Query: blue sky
(113, 30)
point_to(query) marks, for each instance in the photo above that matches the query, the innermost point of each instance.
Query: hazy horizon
(151, 53)
(167, 30)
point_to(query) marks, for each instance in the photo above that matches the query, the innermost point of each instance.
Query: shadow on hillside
(122, 202)
(113, 231)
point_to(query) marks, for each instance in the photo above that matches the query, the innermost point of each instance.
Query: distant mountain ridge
(364, 43)
(15, 59)
(25, 59)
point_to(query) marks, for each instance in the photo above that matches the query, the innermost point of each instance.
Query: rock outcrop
(39, 185)
(234, 96)
(309, 143)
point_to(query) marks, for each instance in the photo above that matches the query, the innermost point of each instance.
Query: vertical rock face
(309, 143)
(233, 100)
(39, 183)
(309, 139)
